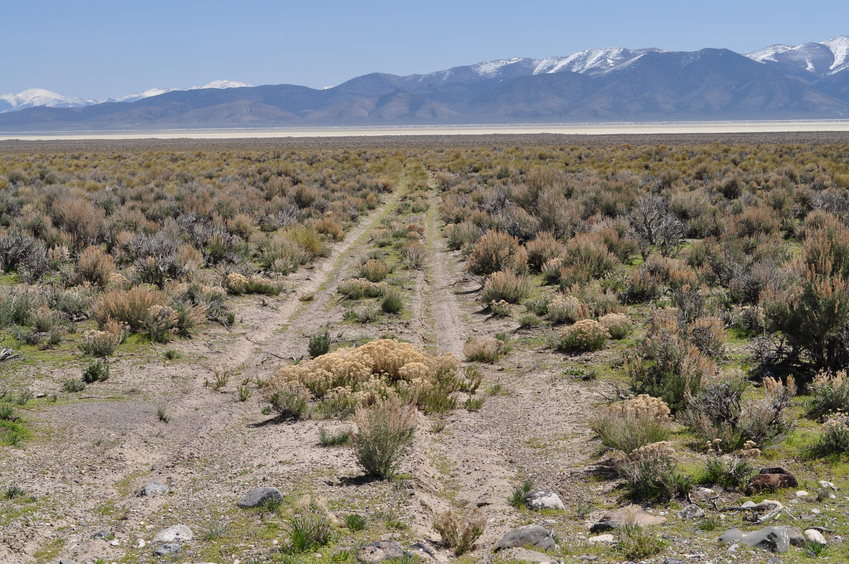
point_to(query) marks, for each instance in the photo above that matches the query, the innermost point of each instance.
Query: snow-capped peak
(142, 95)
(822, 59)
(591, 61)
(40, 97)
(221, 84)
(768, 53)
(490, 68)
(839, 46)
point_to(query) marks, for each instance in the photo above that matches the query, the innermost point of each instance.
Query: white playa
(375, 131)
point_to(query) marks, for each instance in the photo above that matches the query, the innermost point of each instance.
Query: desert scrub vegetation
(154, 240)
(630, 424)
(586, 335)
(340, 381)
(384, 433)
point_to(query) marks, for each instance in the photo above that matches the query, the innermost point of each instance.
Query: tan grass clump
(94, 267)
(641, 406)
(632, 424)
(567, 309)
(130, 307)
(374, 270)
(584, 336)
(484, 349)
(617, 324)
(380, 369)
(496, 251)
(506, 285)
(103, 343)
(236, 283)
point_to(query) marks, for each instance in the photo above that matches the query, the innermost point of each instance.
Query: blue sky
(110, 48)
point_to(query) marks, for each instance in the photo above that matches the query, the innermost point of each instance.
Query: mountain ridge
(809, 81)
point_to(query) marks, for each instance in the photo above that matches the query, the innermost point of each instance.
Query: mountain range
(808, 81)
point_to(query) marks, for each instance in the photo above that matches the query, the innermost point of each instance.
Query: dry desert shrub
(238, 284)
(585, 258)
(330, 227)
(374, 270)
(280, 253)
(507, 286)
(633, 423)
(542, 249)
(459, 533)
(651, 473)
(567, 309)
(94, 266)
(381, 369)
(103, 343)
(497, 251)
(666, 364)
(617, 324)
(585, 335)
(708, 335)
(720, 412)
(413, 254)
(384, 433)
(358, 288)
(834, 438)
(131, 307)
(829, 393)
(484, 349)
(462, 235)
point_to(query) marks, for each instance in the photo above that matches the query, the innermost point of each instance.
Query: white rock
(606, 538)
(543, 499)
(814, 535)
(802, 493)
(141, 543)
(177, 533)
(827, 485)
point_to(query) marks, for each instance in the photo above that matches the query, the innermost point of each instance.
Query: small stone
(814, 535)
(114, 542)
(165, 549)
(533, 536)
(827, 485)
(599, 539)
(692, 511)
(749, 503)
(259, 496)
(152, 489)
(141, 543)
(423, 550)
(588, 557)
(795, 535)
(731, 536)
(380, 551)
(67, 561)
(774, 539)
(542, 499)
(177, 533)
(802, 493)
(673, 561)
